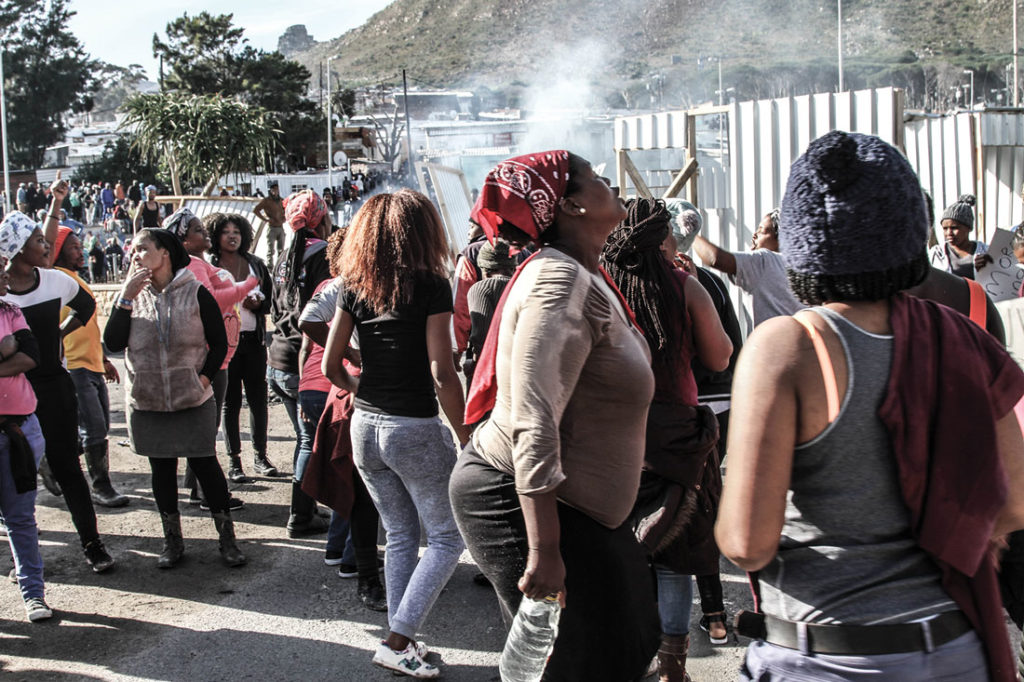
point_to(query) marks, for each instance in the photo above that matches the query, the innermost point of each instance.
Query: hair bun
(834, 160)
(968, 199)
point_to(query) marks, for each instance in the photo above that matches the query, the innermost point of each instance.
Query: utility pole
(1016, 74)
(839, 44)
(408, 121)
(330, 128)
(3, 134)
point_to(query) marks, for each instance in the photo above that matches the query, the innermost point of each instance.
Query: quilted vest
(166, 348)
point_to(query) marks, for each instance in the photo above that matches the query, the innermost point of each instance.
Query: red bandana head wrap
(523, 191)
(58, 243)
(304, 209)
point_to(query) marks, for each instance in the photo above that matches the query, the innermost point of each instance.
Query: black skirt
(609, 630)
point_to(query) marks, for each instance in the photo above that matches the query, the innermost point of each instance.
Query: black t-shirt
(396, 377)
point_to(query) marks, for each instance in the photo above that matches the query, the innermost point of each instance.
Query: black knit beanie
(853, 221)
(962, 211)
(492, 257)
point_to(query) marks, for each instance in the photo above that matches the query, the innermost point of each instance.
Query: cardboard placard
(1001, 278)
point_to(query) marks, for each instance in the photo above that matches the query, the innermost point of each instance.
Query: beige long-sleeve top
(574, 385)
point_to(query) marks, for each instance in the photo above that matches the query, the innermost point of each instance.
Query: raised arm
(714, 256)
(58, 191)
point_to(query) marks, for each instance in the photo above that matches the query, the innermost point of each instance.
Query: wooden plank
(691, 151)
(680, 179)
(620, 172)
(634, 175)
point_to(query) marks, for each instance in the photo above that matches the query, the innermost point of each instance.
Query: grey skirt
(184, 433)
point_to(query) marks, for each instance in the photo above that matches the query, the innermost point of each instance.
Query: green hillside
(623, 50)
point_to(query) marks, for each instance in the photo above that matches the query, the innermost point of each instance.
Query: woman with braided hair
(299, 271)
(675, 508)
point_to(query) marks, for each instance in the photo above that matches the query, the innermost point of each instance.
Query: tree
(207, 54)
(199, 53)
(200, 137)
(389, 131)
(120, 160)
(47, 73)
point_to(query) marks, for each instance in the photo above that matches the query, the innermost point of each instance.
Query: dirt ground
(284, 616)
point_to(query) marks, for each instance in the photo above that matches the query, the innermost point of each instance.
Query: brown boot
(672, 658)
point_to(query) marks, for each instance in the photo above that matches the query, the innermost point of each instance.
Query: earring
(582, 210)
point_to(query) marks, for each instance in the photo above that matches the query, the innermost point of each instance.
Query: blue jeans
(675, 599)
(339, 539)
(406, 463)
(285, 386)
(93, 406)
(18, 512)
(312, 404)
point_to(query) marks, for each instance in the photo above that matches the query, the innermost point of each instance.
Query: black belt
(867, 640)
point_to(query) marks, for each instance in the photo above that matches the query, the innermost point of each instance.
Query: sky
(122, 32)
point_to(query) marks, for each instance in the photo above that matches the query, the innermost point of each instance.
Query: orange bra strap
(828, 372)
(979, 304)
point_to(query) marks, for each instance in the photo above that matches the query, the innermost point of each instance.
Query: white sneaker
(408, 662)
(37, 609)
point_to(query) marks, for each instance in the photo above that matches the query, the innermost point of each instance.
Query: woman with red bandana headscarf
(301, 268)
(543, 491)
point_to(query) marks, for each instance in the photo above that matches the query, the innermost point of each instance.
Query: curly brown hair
(393, 239)
(333, 250)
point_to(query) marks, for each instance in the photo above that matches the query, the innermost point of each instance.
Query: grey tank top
(846, 554)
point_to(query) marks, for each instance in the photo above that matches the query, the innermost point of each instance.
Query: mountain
(608, 49)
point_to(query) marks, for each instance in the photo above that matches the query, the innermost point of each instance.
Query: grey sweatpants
(406, 463)
(962, 660)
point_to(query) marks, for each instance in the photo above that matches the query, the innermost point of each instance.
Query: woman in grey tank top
(814, 497)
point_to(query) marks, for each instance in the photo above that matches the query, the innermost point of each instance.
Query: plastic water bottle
(530, 641)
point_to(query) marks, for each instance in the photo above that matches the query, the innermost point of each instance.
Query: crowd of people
(581, 460)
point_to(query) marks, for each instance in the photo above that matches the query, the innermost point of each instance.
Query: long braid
(632, 256)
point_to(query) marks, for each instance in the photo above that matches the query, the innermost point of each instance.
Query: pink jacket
(228, 293)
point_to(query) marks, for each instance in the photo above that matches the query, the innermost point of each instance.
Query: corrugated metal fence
(743, 176)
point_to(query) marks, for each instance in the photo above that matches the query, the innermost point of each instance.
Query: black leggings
(57, 412)
(609, 588)
(248, 370)
(363, 526)
(710, 588)
(206, 469)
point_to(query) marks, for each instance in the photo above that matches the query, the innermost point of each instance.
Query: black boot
(235, 473)
(97, 460)
(262, 466)
(372, 593)
(303, 518)
(229, 551)
(49, 482)
(174, 544)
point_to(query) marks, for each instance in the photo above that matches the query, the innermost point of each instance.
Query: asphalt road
(284, 616)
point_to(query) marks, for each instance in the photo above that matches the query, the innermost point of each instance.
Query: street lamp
(330, 128)
(1016, 99)
(3, 134)
(970, 104)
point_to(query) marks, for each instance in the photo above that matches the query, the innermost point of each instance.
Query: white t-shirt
(762, 274)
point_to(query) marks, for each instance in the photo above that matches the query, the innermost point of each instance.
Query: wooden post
(691, 155)
(620, 172)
